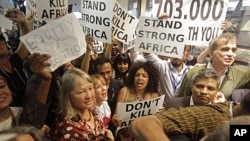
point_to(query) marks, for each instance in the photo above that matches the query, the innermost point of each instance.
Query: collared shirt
(236, 77)
(191, 101)
(209, 65)
(167, 71)
(177, 77)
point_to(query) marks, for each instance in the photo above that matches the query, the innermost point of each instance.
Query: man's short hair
(100, 60)
(206, 74)
(227, 36)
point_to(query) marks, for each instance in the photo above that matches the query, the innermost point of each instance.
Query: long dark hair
(125, 58)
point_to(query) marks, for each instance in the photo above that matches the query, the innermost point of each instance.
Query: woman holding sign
(141, 84)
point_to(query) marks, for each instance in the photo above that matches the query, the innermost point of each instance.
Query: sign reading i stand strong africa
(203, 17)
(51, 9)
(96, 16)
(127, 112)
(123, 24)
(161, 37)
(63, 39)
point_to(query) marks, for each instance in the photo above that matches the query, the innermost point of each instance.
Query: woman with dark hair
(141, 84)
(35, 108)
(121, 65)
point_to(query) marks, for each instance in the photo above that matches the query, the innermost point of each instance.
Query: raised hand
(38, 63)
(15, 15)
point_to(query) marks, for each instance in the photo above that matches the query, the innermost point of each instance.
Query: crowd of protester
(78, 101)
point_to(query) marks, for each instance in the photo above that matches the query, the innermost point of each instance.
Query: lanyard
(176, 84)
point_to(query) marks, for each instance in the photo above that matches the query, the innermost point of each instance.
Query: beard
(176, 63)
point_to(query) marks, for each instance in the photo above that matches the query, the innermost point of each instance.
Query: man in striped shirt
(195, 122)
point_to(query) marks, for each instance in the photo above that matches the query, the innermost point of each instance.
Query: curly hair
(153, 74)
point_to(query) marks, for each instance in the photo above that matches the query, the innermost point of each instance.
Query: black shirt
(16, 80)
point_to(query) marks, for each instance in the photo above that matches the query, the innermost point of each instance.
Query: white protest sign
(161, 37)
(201, 34)
(123, 24)
(51, 9)
(98, 47)
(127, 112)
(5, 22)
(63, 39)
(31, 8)
(96, 16)
(126, 47)
(197, 14)
(246, 27)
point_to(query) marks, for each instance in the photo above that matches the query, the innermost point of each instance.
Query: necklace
(137, 98)
(90, 117)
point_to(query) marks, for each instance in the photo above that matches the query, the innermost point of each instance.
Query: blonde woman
(101, 96)
(77, 120)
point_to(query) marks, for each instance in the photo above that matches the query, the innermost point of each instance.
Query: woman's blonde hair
(96, 78)
(68, 82)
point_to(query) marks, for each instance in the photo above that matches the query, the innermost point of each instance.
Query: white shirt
(167, 73)
(209, 65)
(7, 124)
(104, 112)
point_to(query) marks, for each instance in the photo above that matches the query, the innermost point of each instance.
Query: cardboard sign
(63, 39)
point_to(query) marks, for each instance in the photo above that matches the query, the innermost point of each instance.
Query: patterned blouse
(76, 129)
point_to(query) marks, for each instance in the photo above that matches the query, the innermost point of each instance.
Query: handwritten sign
(127, 112)
(63, 39)
(51, 9)
(96, 16)
(31, 9)
(123, 24)
(162, 37)
(5, 23)
(246, 26)
(198, 15)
